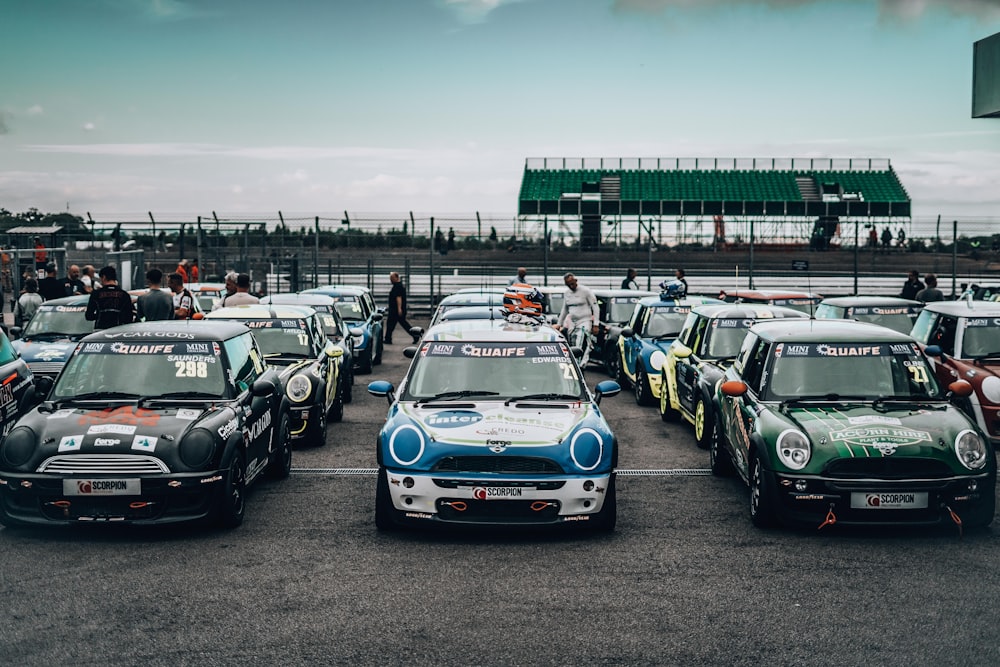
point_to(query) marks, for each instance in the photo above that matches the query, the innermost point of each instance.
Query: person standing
(579, 307)
(931, 292)
(27, 303)
(72, 281)
(629, 281)
(51, 287)
(41, 256)
(679, 275)
(109, 304)
(194, 273)
(181, 270)
(886, 239)
(397, 309)
(183, 300)
(521, 277)
(89, 279)
(155, 304)
(230, 290)
(911, 286)
(242, 295)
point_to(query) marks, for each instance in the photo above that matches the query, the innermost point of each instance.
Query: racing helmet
(523, 299)
(673, 289)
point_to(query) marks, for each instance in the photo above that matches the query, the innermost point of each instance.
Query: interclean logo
(453, 418)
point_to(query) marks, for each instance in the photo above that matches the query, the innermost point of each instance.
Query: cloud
(3, 124)
(89, 127)
(899, 9)
(474, 11)
(251, 152)
(161, 10)
(35, 110)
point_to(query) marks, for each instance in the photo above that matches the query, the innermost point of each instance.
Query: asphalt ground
(684, 580)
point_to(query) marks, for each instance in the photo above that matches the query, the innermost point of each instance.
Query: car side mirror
(198, 316)
(382, 388)
(334, 351)
(577, 351)
(680, 350)
(960, 388)
(734, 388)
(934, 351)
(417, 332)
(628, 332)
(262, 387)
(357, 331)
(606, 388)
(410, 352)
(376, 317)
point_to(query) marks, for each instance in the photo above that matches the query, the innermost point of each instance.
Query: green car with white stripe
(842, 422)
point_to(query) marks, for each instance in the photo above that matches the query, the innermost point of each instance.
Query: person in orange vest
(194, 271)
(41, 256)
(182, 271)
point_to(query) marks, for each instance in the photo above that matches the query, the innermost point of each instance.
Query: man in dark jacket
(51, 287)
(397, 309)
(109, 305)
(911, 286)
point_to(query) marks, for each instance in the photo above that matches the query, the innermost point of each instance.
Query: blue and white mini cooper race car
(494, 425)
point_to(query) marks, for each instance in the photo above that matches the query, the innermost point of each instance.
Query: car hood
(56, 350)
(521, 423)
(860, 431)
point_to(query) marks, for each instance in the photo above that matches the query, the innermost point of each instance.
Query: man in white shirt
(579, 307)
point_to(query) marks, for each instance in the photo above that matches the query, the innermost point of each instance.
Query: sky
(315, 107)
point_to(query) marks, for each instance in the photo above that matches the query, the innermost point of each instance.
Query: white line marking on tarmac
(666, 472)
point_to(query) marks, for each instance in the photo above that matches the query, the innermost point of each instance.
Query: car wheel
(667, 412)
(378, 352)
(385, 513)
(317, 435)
(762, 510)
(365, 364)
(643, 394)
(232, 497)
(619, 372)
(982, 516)
(348, 390)
(607, 518)
(704, 424)
(336, 413)
(718, 455)
(281, 465)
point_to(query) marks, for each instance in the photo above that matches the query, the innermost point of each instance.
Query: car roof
(617, 291)
(771, 294)
(747, 311)
(827, 331)
(868, 300)
(473, 313)
(299, 299)
(170, 330)
(472, 298)
(965, 308)
(75, 300)
(691, 300)
(498, 331)
(337, 290)
(262, 311)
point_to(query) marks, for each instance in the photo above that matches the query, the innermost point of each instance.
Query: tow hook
(457, 505)
(957, 519)
(830, 519)
(539, 505)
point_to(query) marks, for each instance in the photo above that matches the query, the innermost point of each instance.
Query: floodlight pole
(857, 224)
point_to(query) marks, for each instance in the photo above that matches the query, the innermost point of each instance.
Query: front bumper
(510, 500)
(809, 499)
(40, 498)
(301, 418)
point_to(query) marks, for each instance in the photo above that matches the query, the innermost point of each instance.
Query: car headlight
(794, 449)
(18, 446)
(299, 388)
(406, 444)
(196, 448)
(970, 449)
(586, 448)
(656, 360)
(991, 389)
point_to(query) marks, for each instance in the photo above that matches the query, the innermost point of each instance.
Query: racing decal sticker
(144, 443)
(62, 413)
(885, 439)
(120, 429)
(106, 442)
(53, 353)
(482, 350)
(228, 428)
(733, 323)
(188, 414)
(453, 418)
(126, 348)
(71, 443)
(875, 419)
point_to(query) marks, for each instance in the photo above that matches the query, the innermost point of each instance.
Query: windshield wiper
(95, 395)
(825, 398)
(666, 336)
(543, 397)
(180, 394)
(457, 394)
(988, 355)
(879, 403)
(287, 355)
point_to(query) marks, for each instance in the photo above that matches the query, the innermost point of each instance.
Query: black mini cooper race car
(154, 422)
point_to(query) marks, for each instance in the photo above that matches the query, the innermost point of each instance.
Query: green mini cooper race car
(831, 421)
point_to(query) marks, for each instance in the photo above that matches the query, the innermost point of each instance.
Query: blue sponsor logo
(453, 418)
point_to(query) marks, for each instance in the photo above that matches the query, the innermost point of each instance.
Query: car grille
(104, 464)
(49, 368)
(498, 464)
(888, 467)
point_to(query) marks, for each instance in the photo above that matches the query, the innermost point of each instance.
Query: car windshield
(725, 338)
(555, 300)
(349, 309)
(665, 321)
(504, 370)
(981, 338)
(620, 309)
(129, 368)
(54, 320)
(865, 370)
(283, 338)
(897, 318)
(807, 306)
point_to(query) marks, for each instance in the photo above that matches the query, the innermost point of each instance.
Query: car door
(738, 414)
(687, 367)
(632, 345)
(259, 412)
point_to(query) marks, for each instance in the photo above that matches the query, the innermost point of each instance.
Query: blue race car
(642, 346)
(357, 307)
(52, 334)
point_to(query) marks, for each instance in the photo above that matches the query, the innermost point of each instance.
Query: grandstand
(788, 191)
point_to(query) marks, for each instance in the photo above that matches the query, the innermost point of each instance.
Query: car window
(637, 315)
(7, 351)
(68, 320)
(725, 338)
(825, 311)
(685, 336)
(245, 368)
(699, 336)
(897, 318)
(753, 365)
(980, 338)
(924, 326)
(943, 334)
(664, 321)
(507, 370)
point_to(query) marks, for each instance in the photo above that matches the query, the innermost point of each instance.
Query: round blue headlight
(196, 448)
(406, 444)
(586, 448)
(18, 446)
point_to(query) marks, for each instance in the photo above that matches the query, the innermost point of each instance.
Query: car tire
(336, 412)
(704, 423)
(281, 466)
(762, 505)
(982, 516)
(317, 435)
(348, 389)
(643, 394)
(619, 371)
(377, 361)
(718, 455)
(667, 412)
(605, 520)
(232, 495)
(365, 365)
(385, 513)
